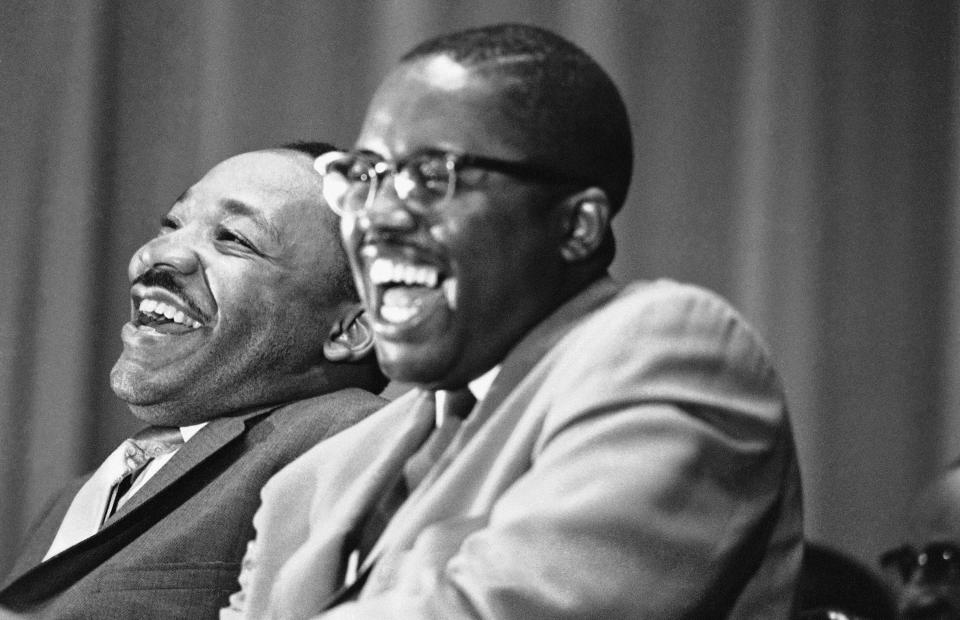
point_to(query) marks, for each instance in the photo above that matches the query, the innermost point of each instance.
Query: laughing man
(629, 454)
(246, 345)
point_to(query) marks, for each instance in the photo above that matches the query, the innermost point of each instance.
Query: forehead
(276, 198)
(268, 181)
(436, 102)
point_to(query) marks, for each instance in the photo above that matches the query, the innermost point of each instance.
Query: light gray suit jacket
(633, 459)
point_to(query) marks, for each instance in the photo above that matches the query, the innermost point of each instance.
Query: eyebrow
(238, 207)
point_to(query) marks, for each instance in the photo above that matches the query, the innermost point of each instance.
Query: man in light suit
(246, 333)
(629, 455)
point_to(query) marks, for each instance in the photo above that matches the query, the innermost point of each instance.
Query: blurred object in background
(925, 571)
(834, 586)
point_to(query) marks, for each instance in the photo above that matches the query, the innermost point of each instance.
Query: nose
(920, 601)
(169, 251)
(387, 211)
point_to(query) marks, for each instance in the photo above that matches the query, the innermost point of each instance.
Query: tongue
(171, 328)
(405, 296)
(402, 303)
(164, 325)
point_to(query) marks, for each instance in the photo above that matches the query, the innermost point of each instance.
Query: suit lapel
(208, 441)
(317, 567)
(41, 580)
(536, 344)
(420, 424)
(515, 367)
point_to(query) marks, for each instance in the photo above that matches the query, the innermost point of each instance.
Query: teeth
(450, 292)
(379, 271)
(388, 271)
(159, 308)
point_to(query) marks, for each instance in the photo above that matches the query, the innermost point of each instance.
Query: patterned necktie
(99, 496)
(455, 406)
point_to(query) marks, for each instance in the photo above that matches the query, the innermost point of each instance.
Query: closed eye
(168, 224)
(225, 235)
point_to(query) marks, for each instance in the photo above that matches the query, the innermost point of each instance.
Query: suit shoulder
(364, 440)
(682, 317)
(668, 342)
(667, 302)
(352, 403)
(313, 419)
(378, 417)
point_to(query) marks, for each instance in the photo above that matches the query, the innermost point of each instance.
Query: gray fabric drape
(798, 157)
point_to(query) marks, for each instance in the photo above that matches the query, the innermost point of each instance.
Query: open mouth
(165, 313)
(406, 291)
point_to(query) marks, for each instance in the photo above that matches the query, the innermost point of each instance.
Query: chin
(131, 386)
(147, 400)
(150, 403)
(135, 394)
(167, 414)
(410, 372)
(419, 365)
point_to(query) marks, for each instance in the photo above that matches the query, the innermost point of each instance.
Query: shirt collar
(479, 387)
(190, 431)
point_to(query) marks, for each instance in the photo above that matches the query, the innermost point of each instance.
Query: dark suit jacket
(174, 550)
(632, 459)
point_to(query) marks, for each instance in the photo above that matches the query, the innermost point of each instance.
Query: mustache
(161, 278)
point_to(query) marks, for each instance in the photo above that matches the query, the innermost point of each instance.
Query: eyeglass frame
(454, 162)
(907, 560)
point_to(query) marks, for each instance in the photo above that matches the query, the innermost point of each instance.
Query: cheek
(509, 247)
(477, 234)
(244, 299)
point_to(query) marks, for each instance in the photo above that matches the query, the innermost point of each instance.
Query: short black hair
(312, 148)
(344, 285)
(557, 93)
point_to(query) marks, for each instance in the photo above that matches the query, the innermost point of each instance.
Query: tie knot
(455, 403)
(150, 443)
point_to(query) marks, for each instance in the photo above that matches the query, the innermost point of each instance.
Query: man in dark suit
(629, 454)
(246, 345)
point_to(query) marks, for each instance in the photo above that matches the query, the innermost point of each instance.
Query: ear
(587, 217)
(351, 337)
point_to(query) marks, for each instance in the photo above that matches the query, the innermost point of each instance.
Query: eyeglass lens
(352, 182)
(936, 562)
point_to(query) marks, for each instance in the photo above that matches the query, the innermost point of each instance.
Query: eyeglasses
(424, 180)
(937, 563)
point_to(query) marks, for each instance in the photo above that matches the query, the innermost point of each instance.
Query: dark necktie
(148, 444)
(455, 406)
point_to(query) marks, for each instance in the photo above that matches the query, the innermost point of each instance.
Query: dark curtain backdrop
(800, 157)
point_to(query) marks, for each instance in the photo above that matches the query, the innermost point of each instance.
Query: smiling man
(246, 345)
(629, 454)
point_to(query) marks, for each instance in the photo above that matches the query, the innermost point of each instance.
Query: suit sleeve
(652, 490)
